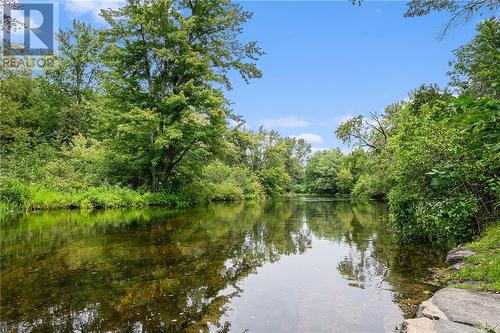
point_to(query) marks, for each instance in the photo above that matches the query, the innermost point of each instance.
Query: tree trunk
(160, 175)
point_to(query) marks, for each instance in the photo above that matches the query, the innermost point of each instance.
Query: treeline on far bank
(135, 114)
(435, 156)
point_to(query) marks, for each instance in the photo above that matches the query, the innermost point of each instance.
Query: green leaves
(443, 166)
(167, 57)
(476, 67)
(78, 66)
(321, 174)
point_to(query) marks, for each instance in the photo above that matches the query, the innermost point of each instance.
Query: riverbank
(20, 197)
(456, 310)
(481, 270)
(17, 196)
(471, 302)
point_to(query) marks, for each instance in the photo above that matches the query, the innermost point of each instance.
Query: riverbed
(294, 265)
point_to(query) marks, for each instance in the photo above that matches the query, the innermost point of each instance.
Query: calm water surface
(298, 265)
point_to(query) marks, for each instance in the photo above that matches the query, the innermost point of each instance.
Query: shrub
(446, 170)
(14, 194)
(440, 220)
(275, 181)
(220, 182)
(370, 186)
(165, 200)
(345, 181)
(108, 197)
(42, 198)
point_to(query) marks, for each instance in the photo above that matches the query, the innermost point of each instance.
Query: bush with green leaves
(321, 174)
(14, 195)
(446, 171)
(221, 182)
(275, 181)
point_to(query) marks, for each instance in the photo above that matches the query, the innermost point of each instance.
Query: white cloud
(343, 148)
(82, 7)
(285, 122)
(337, 120)
(309, 137)
(315, 149)
(342, 118)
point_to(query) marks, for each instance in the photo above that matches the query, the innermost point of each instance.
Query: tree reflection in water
(154, 270)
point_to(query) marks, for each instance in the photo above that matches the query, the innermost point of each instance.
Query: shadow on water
(291, 265)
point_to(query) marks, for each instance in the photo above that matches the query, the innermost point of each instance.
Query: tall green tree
(426, 94)
(30, 109)
(75, 75)
(321, 174)
(279, 161)
(476, 67)
(78, 61)
(167, 63)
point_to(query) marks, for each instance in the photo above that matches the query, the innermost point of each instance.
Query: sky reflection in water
(297, 265)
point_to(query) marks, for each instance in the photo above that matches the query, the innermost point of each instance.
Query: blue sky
(326, 61)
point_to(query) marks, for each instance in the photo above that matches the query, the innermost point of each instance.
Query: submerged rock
(456, 310)
(457, 255)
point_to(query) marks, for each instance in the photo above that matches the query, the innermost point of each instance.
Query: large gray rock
(418, 325)
(472, 308)
(457, 255)
(428, 310)
(446, 326)
(453, 310)
(426, 325)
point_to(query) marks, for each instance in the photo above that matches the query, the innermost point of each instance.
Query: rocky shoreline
(453, 310)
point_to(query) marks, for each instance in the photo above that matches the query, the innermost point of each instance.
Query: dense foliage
(136, 114)
(435, 157)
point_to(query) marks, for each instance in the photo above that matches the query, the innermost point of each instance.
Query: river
(303, 264)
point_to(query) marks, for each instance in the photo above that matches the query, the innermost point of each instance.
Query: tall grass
(217, 182)
(17, 196)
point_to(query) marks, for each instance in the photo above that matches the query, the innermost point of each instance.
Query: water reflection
(293, 265)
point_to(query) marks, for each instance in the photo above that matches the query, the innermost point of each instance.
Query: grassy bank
(482, 270)
(16, 196)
